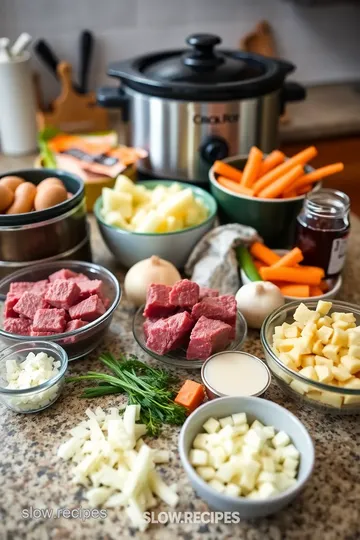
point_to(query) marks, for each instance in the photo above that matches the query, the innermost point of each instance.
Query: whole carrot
(299, 159)
(252, 167)
(271, 161)
(318, 174)
(264, 254)
(291, 258)
(223, 169)
(234, 186)
(299, 275)
(296, 290)
(282, 184)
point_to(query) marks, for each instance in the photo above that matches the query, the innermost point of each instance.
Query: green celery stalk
(247, 264)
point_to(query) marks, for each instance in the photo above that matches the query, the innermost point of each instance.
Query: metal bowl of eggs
(42, 218)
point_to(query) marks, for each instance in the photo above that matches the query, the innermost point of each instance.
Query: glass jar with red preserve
(323, 229)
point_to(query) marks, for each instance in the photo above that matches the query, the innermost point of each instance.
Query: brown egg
(12, 182)
(6, 197)
(24, 199)
(50, 196)
(51, 181)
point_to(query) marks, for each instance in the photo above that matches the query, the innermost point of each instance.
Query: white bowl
(268, 413)
(334, 283)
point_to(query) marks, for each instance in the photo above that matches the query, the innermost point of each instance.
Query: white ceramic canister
(18, 132)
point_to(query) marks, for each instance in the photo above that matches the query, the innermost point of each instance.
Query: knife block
(72, 112)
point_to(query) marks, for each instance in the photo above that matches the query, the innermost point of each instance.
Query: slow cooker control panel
(213, 148)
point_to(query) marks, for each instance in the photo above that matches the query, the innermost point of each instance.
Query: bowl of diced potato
(313, 350)
(153, 217)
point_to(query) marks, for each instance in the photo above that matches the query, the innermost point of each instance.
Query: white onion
(257, 300)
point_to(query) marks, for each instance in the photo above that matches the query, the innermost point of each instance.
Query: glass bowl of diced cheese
(32, 375)
(313, 350)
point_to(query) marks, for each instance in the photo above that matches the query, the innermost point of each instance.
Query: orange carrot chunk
(190, 395)
(271, 161)
(282, 184)
(318, 174)
(264, 254)
(259, 264)
(290, 259)
(296, 290)
(316, 291)
(310, 276)
(299, 159)
(252, 167)
(223, 169)
(234, 186)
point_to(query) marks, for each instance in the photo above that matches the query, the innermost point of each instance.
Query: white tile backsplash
(324, 43)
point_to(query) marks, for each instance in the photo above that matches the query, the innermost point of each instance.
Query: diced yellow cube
(115, 219)
(285, 345)
(324, 321)
(120, 202)
(318, 347)
(308, 360)
(330, 398)
(279, 332)
(309, 372)
(309, 329)
(340, 373)
(351, 364)
(177, 204)
(353, 384)
(343, 351)
(287, 361)
(353, 337)
(299, 387)
(339, 338)
(306, 344)
(323, 361)
(324, 334)
(151, 223)
(304, 315)
(354, 350)
(332, 352)
(324, 374)
(343, 325)
(314, 394)
(295, 355)
(348, 317)
(323, 307)
(292, 331)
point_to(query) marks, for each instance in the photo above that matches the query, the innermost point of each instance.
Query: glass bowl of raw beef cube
(70, 303)
(184, 324)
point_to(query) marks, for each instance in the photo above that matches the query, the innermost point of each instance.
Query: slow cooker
(190, 107)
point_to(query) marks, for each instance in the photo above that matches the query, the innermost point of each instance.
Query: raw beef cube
(78, 278)
(62, 293)
(19, 287)
(40, 287)
(17, 326)
(11, 300)
(34, 333)
(222, 308)
(88, 310)
(75, 325)
(90, 287)
(157, 301)
(147, 325)
(207, 337)
(184, 293)
(64, 273)
(168, 334)
(29, 303)
(206, 292)
(49, 320)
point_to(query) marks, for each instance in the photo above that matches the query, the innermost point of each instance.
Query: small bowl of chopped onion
(32, 375)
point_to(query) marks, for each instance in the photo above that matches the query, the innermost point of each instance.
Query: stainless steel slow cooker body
(189, 107)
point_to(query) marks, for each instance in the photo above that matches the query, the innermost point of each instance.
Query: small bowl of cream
(235, 373)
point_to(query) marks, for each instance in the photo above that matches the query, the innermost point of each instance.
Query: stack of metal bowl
(56, 233)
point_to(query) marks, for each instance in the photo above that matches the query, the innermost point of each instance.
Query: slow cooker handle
(291, 91)
(111, 97)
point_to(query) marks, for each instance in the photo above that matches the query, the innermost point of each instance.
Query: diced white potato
(115, 219)
(281, 439)
(350, 363)
(353, 337)
(279, 332)
(120, 202)
(289, 451)
(286, 345)
(324, 334)
(314, 394)
(228, 446)
(174, 223)
(247, 480)
(309, 372)
(201, 441)
(343, 352)
(151, 222)
(232, 490)
(283, 482)
(217, 485)
(307, 360)
(299, 387)
(225, 472)
(265, 476)
(331, 352)
(268, 432)
(253, 439)
(354, 350)
(304, 315)
(292, 331)
(343, 325)
(267, 490)
(226, 421)
(240, 429)
(340, 373)
(161, 456)
(354, 384)
(239, 418)
(97, 496)
(324, 373)
(339, 338)
(323, 307)
(257, 425)
(309, 329)
(198, 457)
(268, 464)
(206, 473)
(295, 355)
(330, 398)
(226, 432)
(323, 361)
(348, 317)
(211, 425)
(324, 321)
(287, 361)
(318, 347)
(123, 184)
(217, 457)
(290, 463)
(178, 204)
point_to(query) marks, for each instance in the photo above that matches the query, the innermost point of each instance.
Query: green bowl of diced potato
(154, 217)
(313, 350)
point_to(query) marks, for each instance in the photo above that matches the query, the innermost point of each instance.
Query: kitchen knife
(86, 49)
(49, 59)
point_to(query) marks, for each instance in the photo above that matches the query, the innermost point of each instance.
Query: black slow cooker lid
(202, 72)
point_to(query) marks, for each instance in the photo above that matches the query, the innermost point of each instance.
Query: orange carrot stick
(299, 159)
(290, 259)
(281, 184)
(324, 286)
(271, 161)
(259, 264)
(299, 291)
(304, 190)
(316, 291)
(252, 167)
(190, 395)
(318, 174)
(263, 253)
(234, 186)
(289, 194)
(311, 276)
(223, 169)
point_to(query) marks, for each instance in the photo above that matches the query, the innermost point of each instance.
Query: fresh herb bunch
(152, 389)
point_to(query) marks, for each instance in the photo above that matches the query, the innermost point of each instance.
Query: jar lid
(202, 72)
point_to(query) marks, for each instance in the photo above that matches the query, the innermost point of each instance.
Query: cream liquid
(236, 374)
